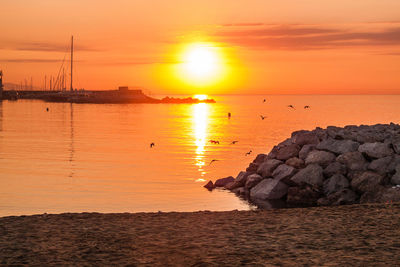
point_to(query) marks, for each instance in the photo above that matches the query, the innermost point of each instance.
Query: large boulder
(269, 189)
(366, 181)
(312, 175)
(295, 162)
(240, 180)
(223, 181)
(260, 159)
(304, 138)
(396, 177)
(376, 150)
(321, 158)
(283, 173)
(381, 165)
(354, 161)
(334, 184)
(338, 146)
(335, 168)
(395, 141)
(288, 152)
(305, 150)
(266, 168)
(252, 180)
(302, 196)
(252, 168)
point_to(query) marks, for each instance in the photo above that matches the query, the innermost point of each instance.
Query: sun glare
(201, 64)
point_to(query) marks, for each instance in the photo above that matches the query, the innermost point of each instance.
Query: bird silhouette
(263, 117)
(291, 106)
(47, 109)
(213, 161)
(152, 144)
(248, 153)
(214, 142)
(234, 142)
(306, 106)
(229, 115)
(264, 100)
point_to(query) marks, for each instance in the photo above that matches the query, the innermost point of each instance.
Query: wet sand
(357, 235)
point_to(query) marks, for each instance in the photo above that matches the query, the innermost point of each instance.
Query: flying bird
(47, 109)
(248, 153)
(264, 100)
(263, 117)
(152, 144)
(229, 115)
(213, 161)
(214, 142)
(234, 142)
(291, 106)
(306, 106)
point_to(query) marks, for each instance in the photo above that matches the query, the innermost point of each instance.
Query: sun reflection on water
(200, 124)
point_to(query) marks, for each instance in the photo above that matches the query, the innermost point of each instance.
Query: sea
(98, 158)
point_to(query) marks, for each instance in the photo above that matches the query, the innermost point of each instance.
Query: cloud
(243, 24)
(42, 46)
(32, 60)
(141, 61)
(307, 37)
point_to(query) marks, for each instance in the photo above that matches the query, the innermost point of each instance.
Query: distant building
(123, 88)
(1, 85)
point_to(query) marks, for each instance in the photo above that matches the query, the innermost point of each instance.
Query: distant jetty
(324, 167)
(121, 96)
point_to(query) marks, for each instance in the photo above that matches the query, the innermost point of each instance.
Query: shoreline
(362, 234)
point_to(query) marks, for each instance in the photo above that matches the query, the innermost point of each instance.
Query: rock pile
(332, 166)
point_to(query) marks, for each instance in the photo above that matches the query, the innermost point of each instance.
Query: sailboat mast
(72, 58)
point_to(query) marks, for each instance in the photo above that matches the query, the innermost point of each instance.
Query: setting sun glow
(202, 64)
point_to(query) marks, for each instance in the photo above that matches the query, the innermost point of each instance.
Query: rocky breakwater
(332, 166)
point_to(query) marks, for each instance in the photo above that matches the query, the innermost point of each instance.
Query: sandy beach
(357, 235)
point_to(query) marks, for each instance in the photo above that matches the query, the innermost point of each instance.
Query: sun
(201, 61)
(202, 64)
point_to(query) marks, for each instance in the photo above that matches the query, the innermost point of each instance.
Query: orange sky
(265, 47)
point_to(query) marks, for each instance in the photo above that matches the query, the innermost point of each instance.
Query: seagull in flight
(263, 117)
(264, 100)
(214, 142)
(213, 161)
(248, 153)
(152, 144)
(306, 106)
(234, 142)
(291, 106)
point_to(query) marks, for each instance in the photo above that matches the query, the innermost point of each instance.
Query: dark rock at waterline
(269, 189)
(223, 181)
(210, 186)
(333, 166)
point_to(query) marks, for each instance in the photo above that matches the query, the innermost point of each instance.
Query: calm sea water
(89, 157)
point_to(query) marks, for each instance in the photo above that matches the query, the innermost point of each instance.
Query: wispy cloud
(32, 60)
(141, 61)
(307, 37)
(42, 46)
(243, 24)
